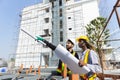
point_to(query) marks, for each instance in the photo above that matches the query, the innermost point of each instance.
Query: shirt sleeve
(95, 66)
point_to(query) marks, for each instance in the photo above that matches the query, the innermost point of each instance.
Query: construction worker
(69, 46)
(88, 58)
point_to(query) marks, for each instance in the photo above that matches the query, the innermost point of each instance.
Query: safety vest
(61, 69)
(84, 76)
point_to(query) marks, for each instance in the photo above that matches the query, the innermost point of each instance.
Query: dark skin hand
(81, 63)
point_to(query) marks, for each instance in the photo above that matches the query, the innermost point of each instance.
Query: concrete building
(56, 21)
(36, 20)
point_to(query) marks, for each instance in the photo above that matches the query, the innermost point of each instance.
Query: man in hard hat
(69, 46)
(88, 58)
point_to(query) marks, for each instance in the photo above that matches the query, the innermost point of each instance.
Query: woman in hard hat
(88, 58)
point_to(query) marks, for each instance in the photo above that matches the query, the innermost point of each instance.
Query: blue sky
(113, 26)
(9, 23)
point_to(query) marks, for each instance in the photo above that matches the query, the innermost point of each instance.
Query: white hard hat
(72, 41)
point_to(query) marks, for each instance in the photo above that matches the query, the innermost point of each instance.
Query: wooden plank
(74, 77)
(65, 71)
(113, 76)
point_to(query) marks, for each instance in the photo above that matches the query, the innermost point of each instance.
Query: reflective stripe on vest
(84, 77)
(86, 56)
(58, 70)
(62, 66)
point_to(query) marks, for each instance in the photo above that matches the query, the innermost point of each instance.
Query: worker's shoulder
(92, 52)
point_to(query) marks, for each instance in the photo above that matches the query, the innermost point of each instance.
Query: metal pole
(28, 34)
(32, 37)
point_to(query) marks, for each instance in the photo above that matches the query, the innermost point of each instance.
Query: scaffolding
(112, 48)
(29, 52)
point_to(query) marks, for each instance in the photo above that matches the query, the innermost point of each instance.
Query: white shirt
(95, 66)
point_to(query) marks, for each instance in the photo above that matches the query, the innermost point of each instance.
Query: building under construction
(56, 21)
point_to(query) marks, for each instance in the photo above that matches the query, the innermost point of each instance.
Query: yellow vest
(62, 67)
(84, 77)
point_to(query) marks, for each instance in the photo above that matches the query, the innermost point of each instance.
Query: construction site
(59, 20)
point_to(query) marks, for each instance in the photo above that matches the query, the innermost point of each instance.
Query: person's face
(69, 45)
(80, 43)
